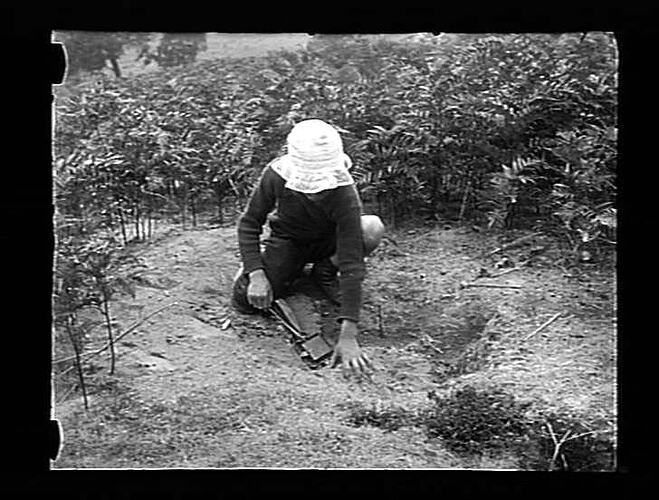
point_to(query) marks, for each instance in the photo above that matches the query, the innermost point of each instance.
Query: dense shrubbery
(492, 126)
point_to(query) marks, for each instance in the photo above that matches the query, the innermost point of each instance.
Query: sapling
(70, 297)
(75, 338)
(122, 222)
(136, 219)
(101, 263)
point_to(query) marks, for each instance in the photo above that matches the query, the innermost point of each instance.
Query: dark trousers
(283, 261)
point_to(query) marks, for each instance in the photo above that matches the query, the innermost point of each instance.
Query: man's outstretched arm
(350, 253)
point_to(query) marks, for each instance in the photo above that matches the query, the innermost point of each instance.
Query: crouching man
(318, 219)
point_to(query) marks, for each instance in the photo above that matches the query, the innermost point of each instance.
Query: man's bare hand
(347, 352)
(259, 290)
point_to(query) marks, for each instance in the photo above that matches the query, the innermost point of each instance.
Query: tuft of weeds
(564, 442)
(471, 421)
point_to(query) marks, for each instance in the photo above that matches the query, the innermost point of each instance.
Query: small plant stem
(193, 210)
(78, 361)
(576, 436)
(557, 446)
(513, 243)
(544, 325)
(430, 343)
(122, 225)
(568, 436)
(184, 214)
(465, 197)
(489, 285)
(105, 311)
(219, 198)
(66, 395)
(519, 266)
(137, 221)
(234, 188)
(64, 372)
(143, 223)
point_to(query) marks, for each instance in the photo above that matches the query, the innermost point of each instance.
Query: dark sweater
(338, 215)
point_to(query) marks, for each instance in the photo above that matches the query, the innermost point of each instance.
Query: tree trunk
(220, 202)
(78, 361)
(445, 188)
(146, 230)
(145, 219)
(193, 210)
(137, 222)
(465, 197)
(122, 224)
(108, 325)
(392, 212)
(509, 219)
(115, 67)
(185, 205)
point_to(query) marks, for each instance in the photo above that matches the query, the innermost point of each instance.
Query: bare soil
(201, 386)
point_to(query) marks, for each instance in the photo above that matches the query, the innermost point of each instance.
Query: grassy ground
(459, 381)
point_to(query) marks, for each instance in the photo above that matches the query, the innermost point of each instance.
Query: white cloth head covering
(315, 160)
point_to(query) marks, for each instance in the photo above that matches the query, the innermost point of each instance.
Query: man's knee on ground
(372, 231)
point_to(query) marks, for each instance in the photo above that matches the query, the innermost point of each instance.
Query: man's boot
(324, 273)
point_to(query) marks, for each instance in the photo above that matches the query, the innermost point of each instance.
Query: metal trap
(313, 349)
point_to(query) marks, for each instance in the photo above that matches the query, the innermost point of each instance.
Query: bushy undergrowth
(494, 126)
(472, 421)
